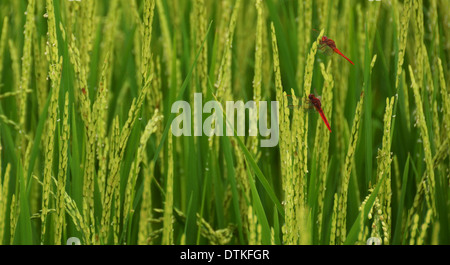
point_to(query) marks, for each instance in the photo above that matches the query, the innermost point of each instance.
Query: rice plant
(88, 147)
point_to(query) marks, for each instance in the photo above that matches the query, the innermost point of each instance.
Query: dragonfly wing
(325, 49)
(291, 105)
(308, 107)
(294, 106)
(328, 51)
(305, 107)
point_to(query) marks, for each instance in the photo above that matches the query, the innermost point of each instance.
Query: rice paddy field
(87, 89)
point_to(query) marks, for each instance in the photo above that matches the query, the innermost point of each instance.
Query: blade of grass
(232, 179)
(179, 97)
(398, 223)
(23, 230)
(36, 143)
(368, 114)
(260, 212)
(252, 163)
(354, 230)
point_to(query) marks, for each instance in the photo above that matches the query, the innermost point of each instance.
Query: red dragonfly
(315, 102)
(327, 46)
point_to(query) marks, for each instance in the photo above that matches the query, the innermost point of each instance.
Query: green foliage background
(86, 89)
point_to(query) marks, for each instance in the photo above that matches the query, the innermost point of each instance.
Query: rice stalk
(77, 218)
(167, 234)
(72, 210)
(434, 27)
(301, 41)
(290, 184)
(14, 217)
(14, 125)
(384, 167)
(87, 31)
(41, 71)
(310, 65)
(308, 23)
(341, 229)
(146, 206)
(372, 14)
(420, 120)
(244, 46)
(257, 78)
(403, 36)
(321, 151)
(100, 114)
(361, 34)
(215, 237)
(166, 38)
(424, 228)
(254, 228)
(15, 65)
(334, 233)
(146, 29)
(333, 16)
(62, 169)
(202, 63)
(244, 186)
(109, 34)
(413, 229)
(82, 95)
(27, 60)
(222, 28)
(3, 39)
(285, 155)
(322, 11)
(223, 83)
(445, 101)
(4, 195)
(252, 142)
(155, 98)
(49, 149)
(431, 91)
(118, 150)
(139, 37)
(418, 41)
(300, 134)
(111, 186)
(363, 233)
(55, 77)
(150, 128)
(301, 140)
(14, 93)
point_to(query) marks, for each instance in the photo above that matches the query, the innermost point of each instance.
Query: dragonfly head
(311, 96)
